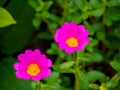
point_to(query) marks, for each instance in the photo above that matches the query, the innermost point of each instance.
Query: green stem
(116, 77)
(38, 86)
(76, 71)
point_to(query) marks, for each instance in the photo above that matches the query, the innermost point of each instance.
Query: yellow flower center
(33, 69)
(72, 42)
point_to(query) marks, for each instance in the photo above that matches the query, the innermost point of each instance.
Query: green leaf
(33, 3)
(54, 86)
(94, 86)
(84, 15)
(33, 85)
(95, 75)
(8, 79)
(79, 3)
(112, 3)
(45, 35)
(53, 50)
(112, 83)
(37, 20)
(93, 43)
(63, 68)
(96, 13)
(89, 27)
(113, 14)
(45, 14)
(115, 65)
(5, 18)
(107, 21)
(54, 17)
(66, 65)
(101, 35)
(98, 26)
(15, 37)
(52, 80)
(83, 81)
(96, 57)
(47, 5)
(96, 4)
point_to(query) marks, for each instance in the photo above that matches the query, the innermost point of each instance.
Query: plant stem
(76, 81)
(38, 87)
(116, 76)
(76, 71)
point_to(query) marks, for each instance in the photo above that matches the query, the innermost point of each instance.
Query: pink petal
(81, 27)
(25, 58)
(87, 41)
(18, 74)
(28, 51)
(37, 78)
(65, 25)
(26, 76)
(73, 26)
(17, 66)
(69, 51)
(22, 75)
(49, 63)
(37, 51)
(21, 57)
(56, 35)
(45, 73)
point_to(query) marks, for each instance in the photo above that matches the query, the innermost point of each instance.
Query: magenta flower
(32, 65)
(71, 37)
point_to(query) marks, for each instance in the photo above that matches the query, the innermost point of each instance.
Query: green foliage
(83, 81)
(5, 18)
(95, 75)
(94, 86)
(66, 65)
(30, 24)
(115, 65)
(14, 38)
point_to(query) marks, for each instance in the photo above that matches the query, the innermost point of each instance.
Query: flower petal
(19, 74)
(22, 75)
(49, 63)
(21, 57)
(45, 73)
(38, 77)
(28, 51)
(37, 51)
(17, 66)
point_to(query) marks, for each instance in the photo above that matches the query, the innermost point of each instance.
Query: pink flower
(32, 65)
(71, 37)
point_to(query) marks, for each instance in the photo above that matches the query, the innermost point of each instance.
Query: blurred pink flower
(32, 65)
(71, 37)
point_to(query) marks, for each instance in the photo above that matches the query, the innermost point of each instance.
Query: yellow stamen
(33, 69)
(72, 42)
